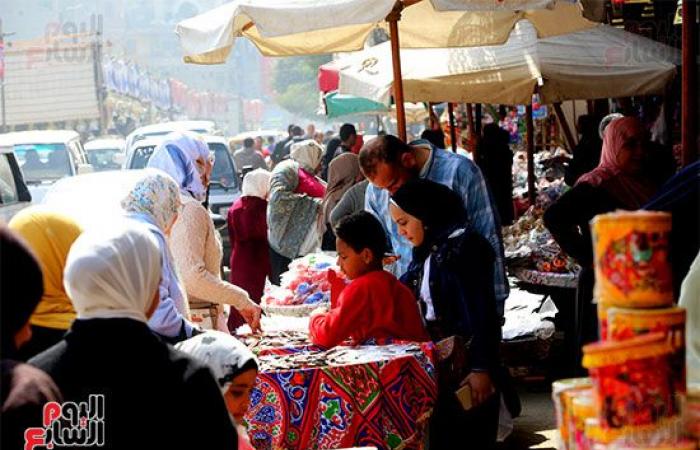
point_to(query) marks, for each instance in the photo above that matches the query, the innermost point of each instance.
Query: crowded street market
(350, 224)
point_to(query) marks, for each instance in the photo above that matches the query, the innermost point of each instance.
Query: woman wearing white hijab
(294, 210)
(152, 394)
(194, 242)
(235, 368)
(154, 200)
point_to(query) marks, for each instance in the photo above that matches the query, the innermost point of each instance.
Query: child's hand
(391, 259)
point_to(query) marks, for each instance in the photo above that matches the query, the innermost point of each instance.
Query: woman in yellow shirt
(50, 236)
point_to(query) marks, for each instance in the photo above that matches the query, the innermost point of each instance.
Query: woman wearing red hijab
(622, 180)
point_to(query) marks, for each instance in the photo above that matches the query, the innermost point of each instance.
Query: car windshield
(43, 162)
(141, 157)
(223, 171)
(104, 159)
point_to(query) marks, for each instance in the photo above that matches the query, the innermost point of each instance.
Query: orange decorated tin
(631, 256)
(628, 323)
(562, 396)
(631, 380)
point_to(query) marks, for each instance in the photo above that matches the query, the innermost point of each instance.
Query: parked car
(14, 194)
(47, 156)
(223, 190)
(161, 129)
(106, 153)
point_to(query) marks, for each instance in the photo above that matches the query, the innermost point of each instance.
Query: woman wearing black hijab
(451, 276)
(23, 389)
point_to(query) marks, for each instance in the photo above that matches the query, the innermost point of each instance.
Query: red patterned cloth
(384, 404)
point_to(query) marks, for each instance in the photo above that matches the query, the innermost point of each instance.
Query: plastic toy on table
(303, 288)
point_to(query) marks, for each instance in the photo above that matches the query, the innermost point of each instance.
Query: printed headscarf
(155, 194)
(225, 355)
(307, 154)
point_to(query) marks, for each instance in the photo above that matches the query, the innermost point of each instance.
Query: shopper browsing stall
(622, 180)
(451, 274)
(195, 244)
(375, 305)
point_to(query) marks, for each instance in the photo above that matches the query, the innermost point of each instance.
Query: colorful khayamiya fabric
(384, 404)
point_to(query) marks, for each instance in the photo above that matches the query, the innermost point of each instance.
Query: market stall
(309, 397)
(306, 396)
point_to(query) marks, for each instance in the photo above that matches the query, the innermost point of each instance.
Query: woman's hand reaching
(251, 313)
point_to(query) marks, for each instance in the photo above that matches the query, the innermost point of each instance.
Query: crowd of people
(417, 233)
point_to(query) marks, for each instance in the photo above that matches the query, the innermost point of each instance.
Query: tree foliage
(295, 82)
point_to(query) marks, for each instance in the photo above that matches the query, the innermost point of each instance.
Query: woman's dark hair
(362, 230)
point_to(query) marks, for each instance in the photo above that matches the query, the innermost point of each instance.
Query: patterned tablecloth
(308, 398)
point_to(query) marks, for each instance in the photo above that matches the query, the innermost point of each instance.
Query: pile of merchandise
(636, 392)
(528, 244)
(306, 282)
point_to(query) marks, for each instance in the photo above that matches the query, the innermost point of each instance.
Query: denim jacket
(462, 292)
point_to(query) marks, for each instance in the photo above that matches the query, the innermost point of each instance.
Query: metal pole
(689, 89)
(477, 119)
(565, 126)
(531, 194)
(453, 132)
(2, 80)
(393, 19)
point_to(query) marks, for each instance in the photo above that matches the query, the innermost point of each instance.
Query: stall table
(307, 397)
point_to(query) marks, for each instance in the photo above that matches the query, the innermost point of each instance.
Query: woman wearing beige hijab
(343, 173)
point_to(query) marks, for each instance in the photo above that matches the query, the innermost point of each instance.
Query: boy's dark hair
(435, 137)
(362, 230)
(248, 142)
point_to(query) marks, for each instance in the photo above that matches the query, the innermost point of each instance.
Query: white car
(47, 156)
(161, 129)
(106, 153)
(14, 195)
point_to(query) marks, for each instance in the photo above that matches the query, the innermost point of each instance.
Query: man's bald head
(386, 149)
(388, 162)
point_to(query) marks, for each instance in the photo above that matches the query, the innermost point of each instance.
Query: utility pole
(3, 127)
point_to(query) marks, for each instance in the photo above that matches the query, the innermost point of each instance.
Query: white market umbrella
(600, 62)
(301, 27)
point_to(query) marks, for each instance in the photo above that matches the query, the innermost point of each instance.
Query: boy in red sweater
(375, 304)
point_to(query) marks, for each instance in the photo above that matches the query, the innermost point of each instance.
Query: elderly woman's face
(204, 168)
